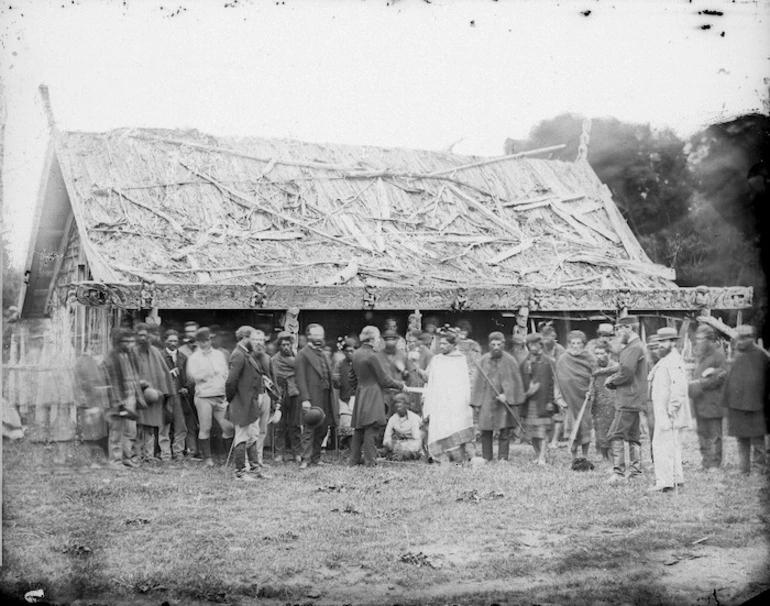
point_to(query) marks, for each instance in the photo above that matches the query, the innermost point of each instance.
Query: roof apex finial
(585, 137)
(46, 99)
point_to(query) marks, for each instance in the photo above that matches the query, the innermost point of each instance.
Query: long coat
(309, 373)
(179, 378)
(668, 392)
(706, 392)
(504, 374)
(746, 394)
(243, 386)
(630, 382)
(371, 379)
(153, 369)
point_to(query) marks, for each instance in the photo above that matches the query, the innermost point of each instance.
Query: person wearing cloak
(497, 387)
(574, 369)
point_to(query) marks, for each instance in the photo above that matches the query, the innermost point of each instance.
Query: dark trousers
(503, 444)
(365, 438)
(710, 441)
(745, 448)
(625, 426)
(288, 432)
(311, 439)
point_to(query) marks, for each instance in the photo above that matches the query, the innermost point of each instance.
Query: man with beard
(498, 386)
(447, 403)
(630, 385)
(207, 368)
(155, 374)
(573, 376)
(746, 397)
(314, 380)
(706, 396)
(177, 365)
(249, 406)
(394, 361)
(189, 344)
(125, 397)
(602, 398)
(668, 392)
(288, 431)
(537, 373)
(369, 380)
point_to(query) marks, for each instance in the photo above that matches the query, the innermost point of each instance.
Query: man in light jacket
(668, 393)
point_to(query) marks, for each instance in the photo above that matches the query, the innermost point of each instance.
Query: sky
(410, 73)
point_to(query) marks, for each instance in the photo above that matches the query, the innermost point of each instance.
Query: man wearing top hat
(706, 396)
(668, 393)
(630, 385)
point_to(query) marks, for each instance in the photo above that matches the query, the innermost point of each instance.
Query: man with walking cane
(497, 390)
(668, 392)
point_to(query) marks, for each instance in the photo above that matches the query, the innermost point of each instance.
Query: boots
(617, 451)
(239, 454)
(744, 454)
(486, 444)
(205, 448)
(252, 452)
(635, 454)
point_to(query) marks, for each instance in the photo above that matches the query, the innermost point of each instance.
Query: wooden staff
(510, 410)
(576, 427)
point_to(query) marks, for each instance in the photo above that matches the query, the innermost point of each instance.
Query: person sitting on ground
(403, 438)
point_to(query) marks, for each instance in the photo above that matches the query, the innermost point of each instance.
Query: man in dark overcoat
(288, 430)
(176, 422)
(705, 392)
(630, 385)
(369, 414)
(313, 370)
(746, 398)
(245, 392)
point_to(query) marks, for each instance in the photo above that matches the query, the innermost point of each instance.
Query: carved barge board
(211, 296)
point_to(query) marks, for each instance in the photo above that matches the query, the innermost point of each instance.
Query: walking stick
(229, 454)
(576, 428)
(510, 410)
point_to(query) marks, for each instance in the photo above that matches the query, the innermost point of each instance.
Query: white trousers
(667, 452)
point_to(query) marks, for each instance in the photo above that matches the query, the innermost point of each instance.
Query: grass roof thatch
(183, 207)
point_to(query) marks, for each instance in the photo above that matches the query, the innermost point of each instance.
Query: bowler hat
(151, 395)
(314, 416)
(667, 334)
(605, 328)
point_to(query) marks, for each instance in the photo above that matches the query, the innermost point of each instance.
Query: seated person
(403, 439)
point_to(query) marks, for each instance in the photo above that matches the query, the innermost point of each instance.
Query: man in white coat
(668, 393)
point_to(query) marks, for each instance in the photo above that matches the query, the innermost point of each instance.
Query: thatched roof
(178, 207)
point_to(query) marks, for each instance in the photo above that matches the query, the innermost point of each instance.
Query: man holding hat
(497, 388)
(746, 398)
(706, 396)
(314, 381)
(668, 392)
(630, 385)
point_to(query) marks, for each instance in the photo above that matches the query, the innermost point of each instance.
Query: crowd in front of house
(426, 395)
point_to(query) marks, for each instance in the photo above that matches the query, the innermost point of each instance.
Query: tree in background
(698, 206)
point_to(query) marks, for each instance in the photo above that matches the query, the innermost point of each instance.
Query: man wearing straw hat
(668, 392)
(630, 385)
(746, 398)
(706, 396)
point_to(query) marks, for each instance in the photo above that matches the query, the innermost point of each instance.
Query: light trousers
(667, 453)
(212, 408)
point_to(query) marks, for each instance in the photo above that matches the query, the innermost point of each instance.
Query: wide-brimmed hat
(667, 334)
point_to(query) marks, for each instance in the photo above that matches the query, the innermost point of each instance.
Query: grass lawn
(402, 533)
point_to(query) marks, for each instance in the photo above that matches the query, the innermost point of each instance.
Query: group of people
(427, 395)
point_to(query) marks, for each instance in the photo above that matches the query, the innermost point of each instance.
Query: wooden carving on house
(258, 296)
